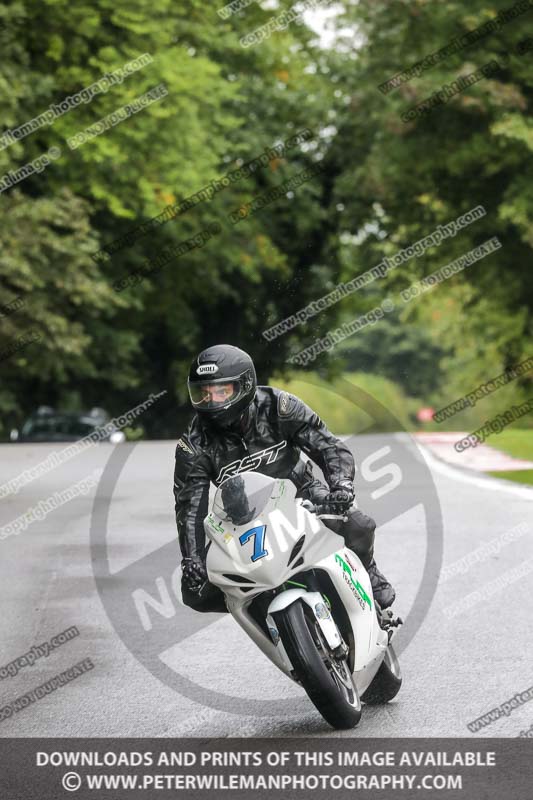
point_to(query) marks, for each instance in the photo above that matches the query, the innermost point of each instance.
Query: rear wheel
(387, 681)
(326, 678)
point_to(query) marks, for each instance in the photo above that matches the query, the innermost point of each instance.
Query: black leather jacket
(269, 439)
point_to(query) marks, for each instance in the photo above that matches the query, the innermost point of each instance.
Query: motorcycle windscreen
(243, 497)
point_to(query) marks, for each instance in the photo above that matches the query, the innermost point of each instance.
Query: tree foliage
(385, 184)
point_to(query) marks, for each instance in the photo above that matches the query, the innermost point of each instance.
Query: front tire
(387, 681)
(326, 679)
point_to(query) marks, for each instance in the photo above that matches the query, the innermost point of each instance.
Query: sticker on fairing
(256, 533)
(357, 590)
(212, 524)
(348, 559)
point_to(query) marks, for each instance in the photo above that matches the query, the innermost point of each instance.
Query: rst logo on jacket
(251, 462)
(184, 446)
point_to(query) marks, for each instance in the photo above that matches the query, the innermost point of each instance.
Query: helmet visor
(211, 395)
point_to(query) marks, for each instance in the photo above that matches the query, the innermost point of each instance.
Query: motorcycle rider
(236, 419)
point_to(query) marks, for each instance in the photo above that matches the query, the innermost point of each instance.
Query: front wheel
(326, 679)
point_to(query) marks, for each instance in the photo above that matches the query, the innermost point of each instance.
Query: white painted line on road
(486, 482)
(483, 458)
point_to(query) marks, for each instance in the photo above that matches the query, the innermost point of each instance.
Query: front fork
(321, 613)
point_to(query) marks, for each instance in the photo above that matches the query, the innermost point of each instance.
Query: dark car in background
(48, 425)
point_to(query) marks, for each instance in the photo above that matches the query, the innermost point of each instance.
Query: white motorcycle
(302, 596)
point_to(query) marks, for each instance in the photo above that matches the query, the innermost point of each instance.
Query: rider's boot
(382, 590)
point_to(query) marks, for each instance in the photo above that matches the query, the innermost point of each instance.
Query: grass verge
(517, 442)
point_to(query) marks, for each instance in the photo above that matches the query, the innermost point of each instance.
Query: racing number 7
(259, 540)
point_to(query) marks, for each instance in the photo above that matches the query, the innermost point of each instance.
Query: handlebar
(321, 511)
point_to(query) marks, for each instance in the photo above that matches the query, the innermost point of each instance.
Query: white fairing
(257, 556)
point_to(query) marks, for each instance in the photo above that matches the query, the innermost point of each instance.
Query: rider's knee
(358, 533)
(361, 522)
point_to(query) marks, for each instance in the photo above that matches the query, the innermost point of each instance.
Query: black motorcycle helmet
(222, 384)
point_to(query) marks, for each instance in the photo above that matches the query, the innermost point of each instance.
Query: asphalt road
(212, 679)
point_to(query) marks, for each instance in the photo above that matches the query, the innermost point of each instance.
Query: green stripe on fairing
(360, 591)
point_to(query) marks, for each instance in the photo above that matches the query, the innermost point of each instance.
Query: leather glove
(339, 499)
(193, 574)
